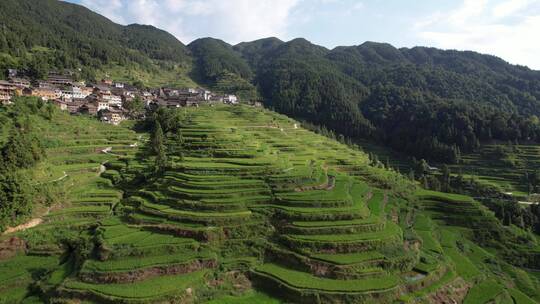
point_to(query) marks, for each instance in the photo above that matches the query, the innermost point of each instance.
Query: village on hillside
(107, 100)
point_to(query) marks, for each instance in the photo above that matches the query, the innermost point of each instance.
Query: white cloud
(508, 8)
(232, 20)
(108, 8)
(358, 6)
(508, 29)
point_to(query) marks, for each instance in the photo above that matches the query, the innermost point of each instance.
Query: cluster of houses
(104, 99)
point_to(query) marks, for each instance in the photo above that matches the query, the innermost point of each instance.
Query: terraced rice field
(500, 174)
(247, 203)
(445, 226)
(483, 165)
(248, 175)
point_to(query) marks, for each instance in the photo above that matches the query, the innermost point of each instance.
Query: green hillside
(39, 36)
(247, 206)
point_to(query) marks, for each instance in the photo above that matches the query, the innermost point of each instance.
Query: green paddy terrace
(241, 174)
(246, 194)
(76, 149)
(487, 165)
(450, 255)
(505, 172)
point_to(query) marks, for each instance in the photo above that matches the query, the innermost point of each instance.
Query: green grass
(22, 267)
(428, 242)
(248, 298)
(445, 279)
(350, 258)
(464, 266)
(443, 196)
(133, 263)
(390, 230)
(303, 280)
(483, 292)
(375, 204)
(13, 295)
(519, 297)
(147, 289)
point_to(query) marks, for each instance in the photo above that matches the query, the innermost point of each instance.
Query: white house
(74, 93)
(67, 94)
(103, 105)
(115, 100)
(230, 99)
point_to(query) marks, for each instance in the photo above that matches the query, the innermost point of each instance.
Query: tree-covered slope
(215, 57)
(220, 67)
(50, 34)
(457, 99)
(296, 78)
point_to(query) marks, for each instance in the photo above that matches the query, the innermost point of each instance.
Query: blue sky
(509, 29)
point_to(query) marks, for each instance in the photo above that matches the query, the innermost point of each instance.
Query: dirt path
(54, 180)
(30, 224)
(60, 178)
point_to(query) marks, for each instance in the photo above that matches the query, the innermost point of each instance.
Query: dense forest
(426, 102)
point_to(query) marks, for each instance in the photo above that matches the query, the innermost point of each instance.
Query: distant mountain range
(423, 101)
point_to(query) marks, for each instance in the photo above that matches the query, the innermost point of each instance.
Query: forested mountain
(49, 34)
(297, 79)
(426, 102)
(213, 57)
(256, 51)
(218, 66)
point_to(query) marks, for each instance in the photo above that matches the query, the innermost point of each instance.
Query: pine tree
(158, 147)
(411, 174)
(424, 181)
(446, 178)
(157, 138)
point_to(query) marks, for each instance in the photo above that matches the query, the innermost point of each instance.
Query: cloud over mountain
(232, 20)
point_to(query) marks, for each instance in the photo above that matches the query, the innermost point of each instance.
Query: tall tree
(158, 147)
(134, 106)
(445, 178)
